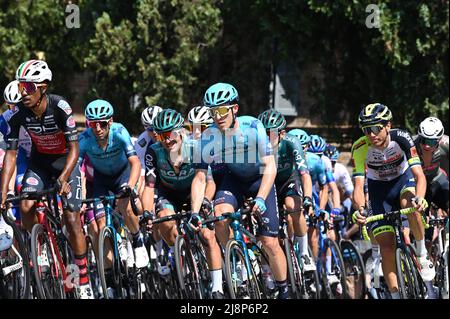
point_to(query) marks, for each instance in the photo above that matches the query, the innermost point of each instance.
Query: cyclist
(432, 147)
(320, 198)
(116, 169)
(395, 180)
(146, 138)
(242, 145)
(293, 182)
(49, 121)
(317, 146)
(170, 170)
(12, 96)
(199, 120)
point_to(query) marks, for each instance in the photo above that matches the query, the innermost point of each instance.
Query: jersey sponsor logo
(405, 135)
(32, 181)
(361, 143)
(142, 142)
(63, 105)
(70, 122)
(148, 160)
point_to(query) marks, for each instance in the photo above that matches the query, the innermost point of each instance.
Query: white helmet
(149, 114)
(33, 71)
(200, 115)
(432, 128)
(11, 93)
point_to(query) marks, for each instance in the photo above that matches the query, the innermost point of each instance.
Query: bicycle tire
(187, 272)
(294, 272)
(311, 285)
(250, 290)
(404, 275)
(16, 284)
(419, 285)
(338, 268)
(106, 236)
(92, 267)
(354, 268)
(203, 269)
(47, 286)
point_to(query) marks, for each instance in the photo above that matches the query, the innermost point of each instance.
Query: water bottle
(254, 261)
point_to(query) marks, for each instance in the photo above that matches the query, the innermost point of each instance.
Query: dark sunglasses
(202, 127)
(375, 129)
(29, 87)
(103, 124)
(429, 141)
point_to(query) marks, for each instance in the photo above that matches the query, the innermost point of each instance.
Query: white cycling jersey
(140, 145)
(342, 178)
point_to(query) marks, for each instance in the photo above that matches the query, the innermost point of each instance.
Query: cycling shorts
(171, 199)
(384, 196)
(233, 191)
(43, 170)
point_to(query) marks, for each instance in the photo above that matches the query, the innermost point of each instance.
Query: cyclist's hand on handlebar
(307, 205)
(335, 212)
(195, 222)
(63, 186)
(123, 191)
(360, 216)
(419, 203)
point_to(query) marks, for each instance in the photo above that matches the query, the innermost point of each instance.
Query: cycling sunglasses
(429, 141)
(202, 127)
(220, 110)
(170, 135)
(375, 129)
(29, 87)
(103, 124)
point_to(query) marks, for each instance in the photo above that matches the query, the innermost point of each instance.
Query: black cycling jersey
(439, 160)
(50, 133)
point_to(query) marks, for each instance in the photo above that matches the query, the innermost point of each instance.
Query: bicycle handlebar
(370, 219)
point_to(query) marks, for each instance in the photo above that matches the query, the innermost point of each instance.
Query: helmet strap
(36, 107)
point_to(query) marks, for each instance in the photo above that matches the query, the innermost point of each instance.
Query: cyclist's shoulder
(119, 130)
(58, 102)
(249, 122)
(360, 144)
(142, 140)
(399, 135)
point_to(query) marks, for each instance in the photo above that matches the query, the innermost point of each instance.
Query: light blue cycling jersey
(113, 160)
(328, 168)
(316, 169)
(241, 151)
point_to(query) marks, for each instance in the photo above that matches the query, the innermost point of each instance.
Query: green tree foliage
(154, 53)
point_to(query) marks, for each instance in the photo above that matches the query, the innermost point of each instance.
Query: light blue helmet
(220, 94)
(331, 152)
(301, 135)
(99, 110)
(317, 144)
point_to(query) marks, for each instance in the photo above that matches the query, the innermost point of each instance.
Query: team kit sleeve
(264, 146)
(299, 156)
(12, 136)
(406, 143)
(151, 170)
(126, 141)
(359, 152)
(66, 121)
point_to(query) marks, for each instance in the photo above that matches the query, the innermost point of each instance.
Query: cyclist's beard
(36, 106)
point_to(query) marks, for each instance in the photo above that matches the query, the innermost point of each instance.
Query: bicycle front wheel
(241, 280)
(47, 271)
(354, 270)
(187, 271)
(15, 276)
(404, 275)
(109, 264)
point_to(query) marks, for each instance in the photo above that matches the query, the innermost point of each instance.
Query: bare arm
(307, 185)
(148, 198)
(323, 196)
(421, 182)
(358, 193)
(336, 198)
(269, 175)
(9, 166)
(198, 189)
(72, 158)
(135, 172)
